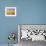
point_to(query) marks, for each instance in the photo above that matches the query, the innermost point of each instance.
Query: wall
(28, 12)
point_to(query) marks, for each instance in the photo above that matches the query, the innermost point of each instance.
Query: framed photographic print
(10, 11)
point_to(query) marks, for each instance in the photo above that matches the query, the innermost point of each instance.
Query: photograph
(10, 11)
